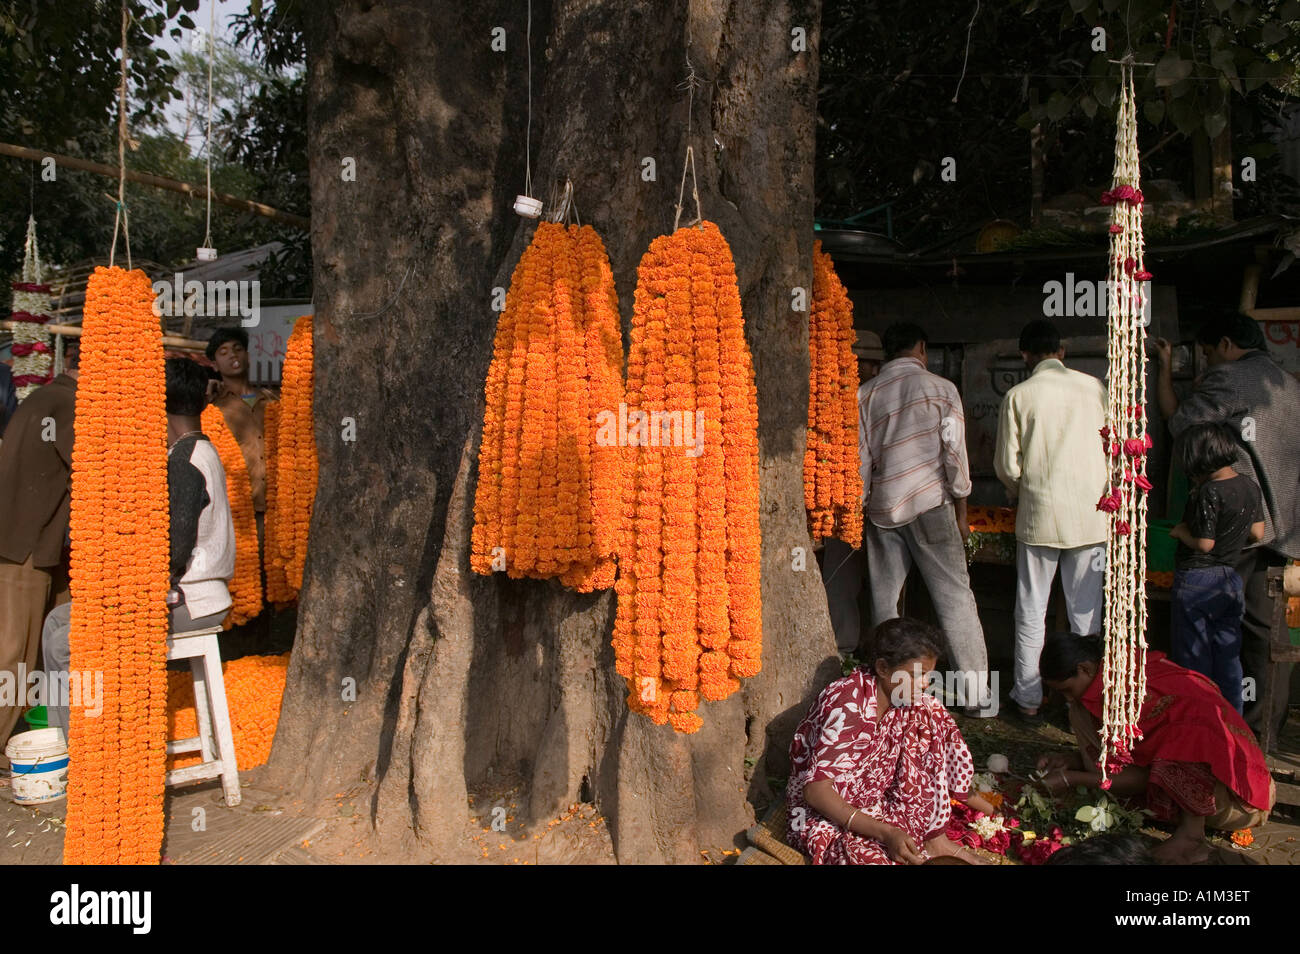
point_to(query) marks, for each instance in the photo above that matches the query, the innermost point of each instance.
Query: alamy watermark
(637, 428)
(81, 688)
(212, 299)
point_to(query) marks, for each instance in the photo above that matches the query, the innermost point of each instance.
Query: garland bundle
(120, 575)
(689, 621)
(246, 586)
(277, 584)
(549, 470)
(832, 478)
(1126, 442)
(290, 429)
(33, 354)
(254, 689)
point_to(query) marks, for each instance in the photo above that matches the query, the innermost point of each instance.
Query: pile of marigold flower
(549, 471)
(991, 519)
(832, 479)
(689, 621)
(290, 441)
(120, 577)
(254, 687)
(246, 586)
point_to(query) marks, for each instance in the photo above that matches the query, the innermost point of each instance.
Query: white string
(212, 55)
(966, 59)
(528, 133)
(119, 217)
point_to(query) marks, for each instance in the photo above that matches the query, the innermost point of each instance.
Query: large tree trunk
(458, 675)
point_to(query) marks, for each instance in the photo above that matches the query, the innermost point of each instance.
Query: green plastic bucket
(37, 717)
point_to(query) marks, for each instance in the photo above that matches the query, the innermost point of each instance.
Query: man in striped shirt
(915, 480)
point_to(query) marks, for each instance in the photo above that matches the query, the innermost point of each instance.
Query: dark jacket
(8, 397)
(36, 475)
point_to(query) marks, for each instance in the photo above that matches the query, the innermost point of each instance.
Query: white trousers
(1083, 576)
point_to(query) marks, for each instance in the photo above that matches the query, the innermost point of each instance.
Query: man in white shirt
(202, 531)
(915, 481)
(1049, 456)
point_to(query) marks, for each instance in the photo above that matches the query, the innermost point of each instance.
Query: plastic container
(39, 761)
(37, 717)
(527, 206)
(1160, 546)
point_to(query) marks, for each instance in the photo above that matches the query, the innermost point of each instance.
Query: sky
(225, 10)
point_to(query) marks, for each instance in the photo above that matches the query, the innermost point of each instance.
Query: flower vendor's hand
(1054, 762)
(900, 846)
(1056, 781)
(1164, 351)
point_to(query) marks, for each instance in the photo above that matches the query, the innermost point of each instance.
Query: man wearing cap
(844, 569)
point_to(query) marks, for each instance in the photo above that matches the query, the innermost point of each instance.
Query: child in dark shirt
(1224, 513)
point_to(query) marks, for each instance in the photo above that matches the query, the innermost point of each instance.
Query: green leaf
(1274, 33)
(1086, 814)
(1089, 106)
(1058, 106)
(1184, 116)
(185, 22)
(1222, 5)
(1215, 123)
(1154, 111)
(1171, 69)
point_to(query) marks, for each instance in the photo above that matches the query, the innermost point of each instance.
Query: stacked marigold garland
(832, 478)
(254, 689)
(246, 586)
(292, 432)
(120, 575)
(33, 357)
(689, 621)
(549, 473)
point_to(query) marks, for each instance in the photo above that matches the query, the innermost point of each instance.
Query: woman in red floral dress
(877, 761)
(1196, 765)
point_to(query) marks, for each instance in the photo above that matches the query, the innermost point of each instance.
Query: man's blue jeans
(1208, 604)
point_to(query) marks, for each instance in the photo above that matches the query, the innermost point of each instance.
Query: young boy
(1224, 513)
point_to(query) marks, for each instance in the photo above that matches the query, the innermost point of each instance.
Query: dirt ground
(271, 827)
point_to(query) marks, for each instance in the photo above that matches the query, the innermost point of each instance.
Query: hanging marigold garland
(689, 621)
(33, 355)
(277, 584)
(295, 470)
(120, 576)
(246, 585)
(1125, 441)
(549, 475)
(832, 478)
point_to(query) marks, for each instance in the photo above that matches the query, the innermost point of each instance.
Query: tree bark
(459, 676)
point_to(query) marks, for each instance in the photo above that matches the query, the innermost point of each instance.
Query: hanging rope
(119, 216)
(1127, 442)
(212, 55)
(528, 132)
(966, 59)
(690, 83)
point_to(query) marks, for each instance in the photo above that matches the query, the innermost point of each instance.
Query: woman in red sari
(877, 761)
(1197, 764)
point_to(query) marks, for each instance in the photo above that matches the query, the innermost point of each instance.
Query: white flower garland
(1124, 666)
(38, 362)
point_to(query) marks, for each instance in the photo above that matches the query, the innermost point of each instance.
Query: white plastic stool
(200, 648)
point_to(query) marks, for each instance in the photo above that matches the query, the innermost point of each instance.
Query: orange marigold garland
(254, 689)
(689, 621)
(246, 586)
(831, 469)
(295, 458)
(549, 478)
(120, 576)
(277, 584)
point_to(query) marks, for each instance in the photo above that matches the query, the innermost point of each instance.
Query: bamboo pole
(74, 331)
(160, 182)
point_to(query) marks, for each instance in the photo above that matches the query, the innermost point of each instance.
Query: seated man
(202, 532)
